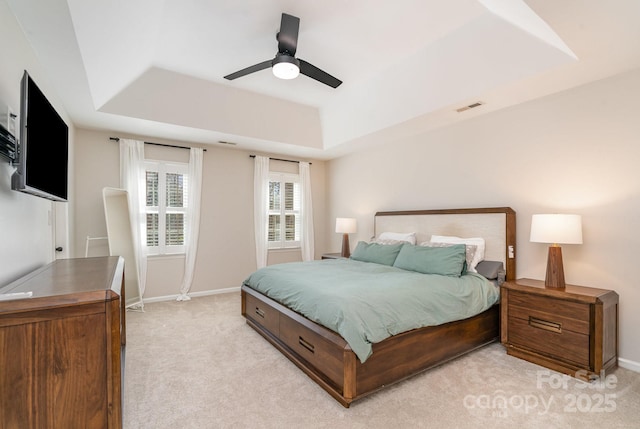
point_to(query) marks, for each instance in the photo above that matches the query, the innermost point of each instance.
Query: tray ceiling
(156, 68)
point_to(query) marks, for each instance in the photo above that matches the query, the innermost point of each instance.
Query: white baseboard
(191, 294)
(629, 364)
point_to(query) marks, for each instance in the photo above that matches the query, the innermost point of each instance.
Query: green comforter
(366, 303)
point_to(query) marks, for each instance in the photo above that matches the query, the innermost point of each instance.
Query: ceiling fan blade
(257, 67)
(314, 72)
(288, 35)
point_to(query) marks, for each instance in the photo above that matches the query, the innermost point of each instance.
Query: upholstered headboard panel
(496, 225)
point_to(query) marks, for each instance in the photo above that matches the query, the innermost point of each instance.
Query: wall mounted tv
(43, 146)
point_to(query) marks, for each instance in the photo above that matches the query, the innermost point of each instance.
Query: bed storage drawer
(263, 314)
(313, 348)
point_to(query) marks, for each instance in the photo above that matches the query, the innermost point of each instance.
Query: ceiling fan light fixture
(285, 67)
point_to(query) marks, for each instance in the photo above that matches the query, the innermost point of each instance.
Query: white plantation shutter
(177, 189)
(275, 199)
(292, 211)
(166, 206)
(284, 210)
(152, 201)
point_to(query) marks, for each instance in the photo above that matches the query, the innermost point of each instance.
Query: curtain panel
(132, 179)
(192, 222)
(260, 209)
(307, 238)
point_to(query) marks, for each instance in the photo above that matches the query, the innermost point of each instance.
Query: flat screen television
(43, 146)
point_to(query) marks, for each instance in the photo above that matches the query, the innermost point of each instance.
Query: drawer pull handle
(546, 325)
(259, 312)
(307, 345)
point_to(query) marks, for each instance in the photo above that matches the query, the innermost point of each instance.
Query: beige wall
(573, 152)
(226, 251)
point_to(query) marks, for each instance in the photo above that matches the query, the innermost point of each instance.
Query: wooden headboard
(496, 225)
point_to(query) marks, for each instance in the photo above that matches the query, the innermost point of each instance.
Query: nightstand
(332, 256)
(572, 330)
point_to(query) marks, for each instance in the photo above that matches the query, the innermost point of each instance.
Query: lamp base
(346, 251)
(555, 270)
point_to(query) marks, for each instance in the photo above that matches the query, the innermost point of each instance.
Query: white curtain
(306, 212)
(260, 208)
(132, 179)
(192, 221)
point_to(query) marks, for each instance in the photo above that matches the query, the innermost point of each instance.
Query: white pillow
(477, 241)
(409, 237)
(387, 242)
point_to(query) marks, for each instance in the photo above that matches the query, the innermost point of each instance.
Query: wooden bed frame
(327, 358)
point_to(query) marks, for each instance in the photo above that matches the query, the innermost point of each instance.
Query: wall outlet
(11, 121)
(8, 119)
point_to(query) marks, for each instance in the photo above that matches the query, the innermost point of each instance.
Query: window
(166, 207)
(284, 210)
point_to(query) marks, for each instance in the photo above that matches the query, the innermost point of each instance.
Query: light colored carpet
(196, 364)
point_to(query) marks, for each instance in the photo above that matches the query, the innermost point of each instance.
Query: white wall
(226, 249)
(574, 152)
(26, 232)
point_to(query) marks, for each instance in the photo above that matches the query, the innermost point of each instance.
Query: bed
(348, 374)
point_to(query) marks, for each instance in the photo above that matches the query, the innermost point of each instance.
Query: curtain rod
(117, 139)
(280, 159)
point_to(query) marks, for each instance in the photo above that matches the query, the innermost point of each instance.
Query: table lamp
(345, 226)
(556, 229)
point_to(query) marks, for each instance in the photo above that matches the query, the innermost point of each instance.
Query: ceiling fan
(285, 65)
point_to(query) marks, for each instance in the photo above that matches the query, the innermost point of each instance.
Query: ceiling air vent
(470, 106)
(227, 143)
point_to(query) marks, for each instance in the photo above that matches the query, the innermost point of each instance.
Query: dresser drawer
(263, 314)
(569, 316)
(313, 348)
(546, 337)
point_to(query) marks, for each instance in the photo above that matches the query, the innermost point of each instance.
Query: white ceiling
(155, 68)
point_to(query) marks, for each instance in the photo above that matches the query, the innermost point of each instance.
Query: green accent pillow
(446, 261)
(384, 254)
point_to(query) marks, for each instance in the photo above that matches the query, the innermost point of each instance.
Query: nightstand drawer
(571, 316)
(548, 337)
(573, 330)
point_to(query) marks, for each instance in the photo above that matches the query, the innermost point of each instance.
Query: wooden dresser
(572, 330)
(62, 351)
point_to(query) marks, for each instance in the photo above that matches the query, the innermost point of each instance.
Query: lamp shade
(346, 225)
(556, 228)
